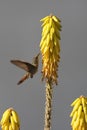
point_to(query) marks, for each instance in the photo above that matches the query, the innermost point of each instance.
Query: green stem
(48, 106)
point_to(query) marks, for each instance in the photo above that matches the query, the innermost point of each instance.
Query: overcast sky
(20, 34)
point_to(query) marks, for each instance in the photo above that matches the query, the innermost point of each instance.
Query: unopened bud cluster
(79, 114)
(10, 120)
(50, 47)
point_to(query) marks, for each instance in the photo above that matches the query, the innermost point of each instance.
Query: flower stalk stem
(48, 106)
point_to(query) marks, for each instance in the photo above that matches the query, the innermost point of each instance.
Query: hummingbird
(30, 69)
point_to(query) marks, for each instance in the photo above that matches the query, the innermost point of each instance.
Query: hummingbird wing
(23, 65)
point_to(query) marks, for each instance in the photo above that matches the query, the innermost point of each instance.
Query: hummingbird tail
(26, 76)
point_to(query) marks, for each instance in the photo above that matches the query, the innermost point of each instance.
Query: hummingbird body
(31, 69)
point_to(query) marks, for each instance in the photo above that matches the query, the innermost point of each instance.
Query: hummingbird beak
(38, 54)
(36, 57)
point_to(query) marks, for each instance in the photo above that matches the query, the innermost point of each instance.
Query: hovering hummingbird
(31, 69)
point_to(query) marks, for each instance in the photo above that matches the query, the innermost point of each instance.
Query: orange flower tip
(51, 15)
(11, 108)
(81, 96)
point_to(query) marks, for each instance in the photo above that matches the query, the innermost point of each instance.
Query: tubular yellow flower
(50, 47)
(79, 114)
(10, 120)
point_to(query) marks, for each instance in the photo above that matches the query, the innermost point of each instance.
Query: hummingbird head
(36, 59)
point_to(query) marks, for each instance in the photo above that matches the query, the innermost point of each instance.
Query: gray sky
(20, 34)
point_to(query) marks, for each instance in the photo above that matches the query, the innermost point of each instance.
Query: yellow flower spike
(50, 47)
(50, 50)
(9, 120)
(79, 121)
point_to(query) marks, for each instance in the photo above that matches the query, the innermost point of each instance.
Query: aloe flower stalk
(50, 50)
